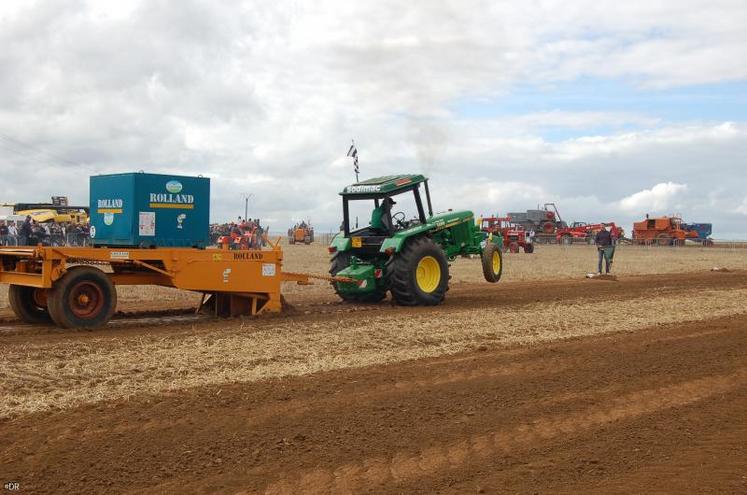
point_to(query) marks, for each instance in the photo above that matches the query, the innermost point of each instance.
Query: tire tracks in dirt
(70, 372)
(462, 296)
(583, 413)
(403, 467)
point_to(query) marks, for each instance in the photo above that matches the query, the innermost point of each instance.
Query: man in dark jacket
(4, 232)
(26, 231)
(606, 249)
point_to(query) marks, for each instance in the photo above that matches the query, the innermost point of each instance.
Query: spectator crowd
(31, 233)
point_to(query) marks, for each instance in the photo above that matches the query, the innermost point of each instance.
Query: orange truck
(662, 231)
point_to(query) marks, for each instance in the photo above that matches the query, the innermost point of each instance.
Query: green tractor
(407, 256)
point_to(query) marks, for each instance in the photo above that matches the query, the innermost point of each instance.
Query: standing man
(26, 231)
(12, 234)
(4, 232)
(606, 249)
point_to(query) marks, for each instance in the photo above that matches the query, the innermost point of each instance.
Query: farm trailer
(544, 222)
(66, 285)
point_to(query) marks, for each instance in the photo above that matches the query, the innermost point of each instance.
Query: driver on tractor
(381, 219)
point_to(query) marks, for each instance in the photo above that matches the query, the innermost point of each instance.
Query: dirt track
(658, 409)
(661, 409)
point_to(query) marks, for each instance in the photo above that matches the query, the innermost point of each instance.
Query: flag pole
(353, 152)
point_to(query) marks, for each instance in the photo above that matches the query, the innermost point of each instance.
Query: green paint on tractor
(408, 257)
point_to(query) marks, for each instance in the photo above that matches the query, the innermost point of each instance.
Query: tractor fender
(340, 243)
(397, 241)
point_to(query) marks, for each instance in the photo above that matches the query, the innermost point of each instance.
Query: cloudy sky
(610, 109)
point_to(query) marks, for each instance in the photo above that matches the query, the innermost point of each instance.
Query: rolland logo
(172, 197)
(186, 199)
(110, 203)
(174, 186)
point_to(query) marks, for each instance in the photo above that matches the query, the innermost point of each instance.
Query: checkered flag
(353, 152)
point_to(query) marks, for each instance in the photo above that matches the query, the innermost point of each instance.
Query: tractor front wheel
(83, 298)
(29, 303)
(419, 274)
(492, 263)
(529, 247)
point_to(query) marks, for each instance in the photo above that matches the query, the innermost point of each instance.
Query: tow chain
(328, 278)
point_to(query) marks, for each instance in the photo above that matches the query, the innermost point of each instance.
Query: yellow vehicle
(42, 215)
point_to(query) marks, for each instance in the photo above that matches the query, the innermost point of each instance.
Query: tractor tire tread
(399, 274)
(487, 263)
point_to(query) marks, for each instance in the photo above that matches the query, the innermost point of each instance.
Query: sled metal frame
(233, 282)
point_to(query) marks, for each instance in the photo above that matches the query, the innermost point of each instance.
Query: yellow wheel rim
(496, 262)
(428, 274)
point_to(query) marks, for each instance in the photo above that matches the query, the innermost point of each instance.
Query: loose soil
(45, 368)
(658, 410)
(568, 386)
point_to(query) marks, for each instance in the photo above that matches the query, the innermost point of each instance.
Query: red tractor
(514, 236)
(246, 235)
(585, 232)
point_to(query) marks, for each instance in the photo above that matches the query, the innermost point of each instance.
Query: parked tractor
(662, 231)
(514, 236)
(586, 232)
(408, 257)
(545, 222)
(301, 233)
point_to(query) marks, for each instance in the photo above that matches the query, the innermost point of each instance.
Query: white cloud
(659, 198)
(742, 208)
(264, 97)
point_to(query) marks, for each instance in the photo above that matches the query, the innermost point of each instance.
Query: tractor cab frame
(381, 190)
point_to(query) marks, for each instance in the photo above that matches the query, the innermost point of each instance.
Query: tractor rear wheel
(83, 298)
(419, 274)
(339, 262)
(29, 303)
(492, 263)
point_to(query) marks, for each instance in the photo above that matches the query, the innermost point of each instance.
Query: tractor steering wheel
(399, 218)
